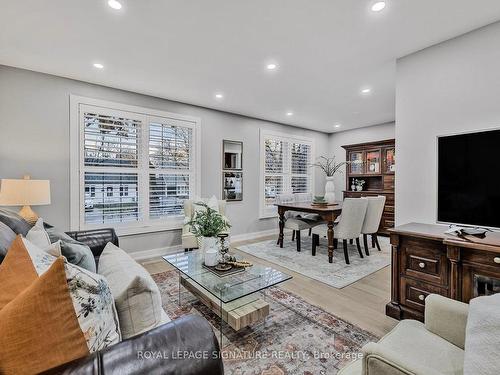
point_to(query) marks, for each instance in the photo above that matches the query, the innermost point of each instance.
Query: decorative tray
(221, 272)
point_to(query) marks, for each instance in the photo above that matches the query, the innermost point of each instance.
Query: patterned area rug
(296, 338)
(337, 274)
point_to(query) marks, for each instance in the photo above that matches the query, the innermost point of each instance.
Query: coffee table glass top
(225, 288)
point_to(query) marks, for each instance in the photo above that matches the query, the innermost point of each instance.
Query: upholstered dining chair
(348, 227)
(293, 219)
(371, 223)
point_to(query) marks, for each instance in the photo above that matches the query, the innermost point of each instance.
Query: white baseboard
(154, 253)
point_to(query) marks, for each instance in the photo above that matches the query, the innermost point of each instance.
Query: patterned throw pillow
(92, 300)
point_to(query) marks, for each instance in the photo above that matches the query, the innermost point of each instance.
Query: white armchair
(414, 348)
(189, 240)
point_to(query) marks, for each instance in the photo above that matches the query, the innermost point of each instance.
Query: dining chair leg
(278, 242)
(351, 241)
(315, 241)
(297, 238)
(375, 239)
(346, 254)
(335, 243)
(365, 242)
(293, 235)
(358, 245)
(310, 231)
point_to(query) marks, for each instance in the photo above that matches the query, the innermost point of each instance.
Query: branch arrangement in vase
(328, 165)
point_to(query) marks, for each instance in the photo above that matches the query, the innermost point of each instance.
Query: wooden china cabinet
(374, 163)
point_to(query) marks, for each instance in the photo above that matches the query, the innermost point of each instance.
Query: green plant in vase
(206, 225)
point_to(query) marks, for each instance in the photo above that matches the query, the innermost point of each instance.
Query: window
(285, 168)
(134, 166)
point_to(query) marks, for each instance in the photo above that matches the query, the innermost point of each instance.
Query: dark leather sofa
(186, 346)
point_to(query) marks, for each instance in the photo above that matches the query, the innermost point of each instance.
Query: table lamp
(26, 193)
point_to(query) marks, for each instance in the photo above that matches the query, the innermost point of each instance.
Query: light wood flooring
(361, 303)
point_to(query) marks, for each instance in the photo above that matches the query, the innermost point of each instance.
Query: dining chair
(307, 198)
(371, 223)
(348, 227)
(293, 219)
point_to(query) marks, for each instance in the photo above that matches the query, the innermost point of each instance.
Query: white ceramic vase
(330, 190)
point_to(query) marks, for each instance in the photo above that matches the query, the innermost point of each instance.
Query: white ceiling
(327, 50)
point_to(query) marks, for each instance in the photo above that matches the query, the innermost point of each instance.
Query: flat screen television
(469, 179)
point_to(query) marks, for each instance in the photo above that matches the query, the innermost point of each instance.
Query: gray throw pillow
(14, 222)
(7, 236)
(76, 252)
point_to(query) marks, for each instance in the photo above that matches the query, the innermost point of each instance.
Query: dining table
(328, 214)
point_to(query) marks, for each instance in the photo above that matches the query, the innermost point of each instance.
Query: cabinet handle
(421, 265)
(496, 260)
(421, 297)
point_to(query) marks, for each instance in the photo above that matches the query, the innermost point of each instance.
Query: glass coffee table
(234, 298)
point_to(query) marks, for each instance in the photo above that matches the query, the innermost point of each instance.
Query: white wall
(349, 137)
(448, 88)
(34, 139)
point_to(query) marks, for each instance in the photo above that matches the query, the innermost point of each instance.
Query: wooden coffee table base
(237, 314)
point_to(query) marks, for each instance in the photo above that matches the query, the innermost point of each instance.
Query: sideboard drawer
(483, 258)
(428, 263)
(413, 293)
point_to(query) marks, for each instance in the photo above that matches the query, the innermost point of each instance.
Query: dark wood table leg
(281, 236)
(330, 241)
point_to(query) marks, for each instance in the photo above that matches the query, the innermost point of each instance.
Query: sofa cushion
(422, 349)
(76, 252)
(137, 297)
(482, 338)
(14, 222)
(7, 236)
(39, 329)
(37, 235)
(90, 294)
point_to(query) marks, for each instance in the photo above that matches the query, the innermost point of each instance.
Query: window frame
(77, 169)
(264, 211)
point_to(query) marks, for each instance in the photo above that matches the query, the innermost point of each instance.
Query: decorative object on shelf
(208, 224)
(329, 168)
(232, 170)
(25, 192)
(359, 184)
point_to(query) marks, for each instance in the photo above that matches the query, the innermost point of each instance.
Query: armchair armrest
(96, 239)
(185, 346)
(380, 360)
(446, 318)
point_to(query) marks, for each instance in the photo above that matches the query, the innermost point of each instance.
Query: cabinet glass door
(356, 159)
(390, 160)
(373, 161)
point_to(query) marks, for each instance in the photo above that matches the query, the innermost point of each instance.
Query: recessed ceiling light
(115, 4)
(289, 113)
(219, 96)
(271, 66)
(366, 90)
(336, 126)
(98, 66)
(378, 6)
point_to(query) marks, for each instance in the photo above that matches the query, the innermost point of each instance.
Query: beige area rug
(337, 274)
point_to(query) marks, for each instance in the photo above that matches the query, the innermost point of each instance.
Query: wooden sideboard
(425, 261)
(374, 163)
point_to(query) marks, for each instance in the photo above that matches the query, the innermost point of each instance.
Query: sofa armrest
(446, 318)
(380, 360)
(96, 239)
(185, 346)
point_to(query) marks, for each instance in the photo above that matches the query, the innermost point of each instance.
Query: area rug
(337, 274)
(296, 337)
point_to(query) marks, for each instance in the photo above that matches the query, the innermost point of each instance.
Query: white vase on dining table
(330, 190)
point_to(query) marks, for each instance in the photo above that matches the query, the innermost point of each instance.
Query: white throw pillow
(38, 235)
(92, 300)
(137, 297)
(54, 249)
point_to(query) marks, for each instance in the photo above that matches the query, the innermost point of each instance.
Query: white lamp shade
(24, 192)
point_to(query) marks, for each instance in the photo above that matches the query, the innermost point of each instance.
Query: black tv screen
(469, 179)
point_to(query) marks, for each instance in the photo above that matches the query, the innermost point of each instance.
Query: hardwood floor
(361, 303)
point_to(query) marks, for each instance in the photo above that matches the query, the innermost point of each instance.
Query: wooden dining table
(327, 213)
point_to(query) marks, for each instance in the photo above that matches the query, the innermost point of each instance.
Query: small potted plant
(206, 225)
